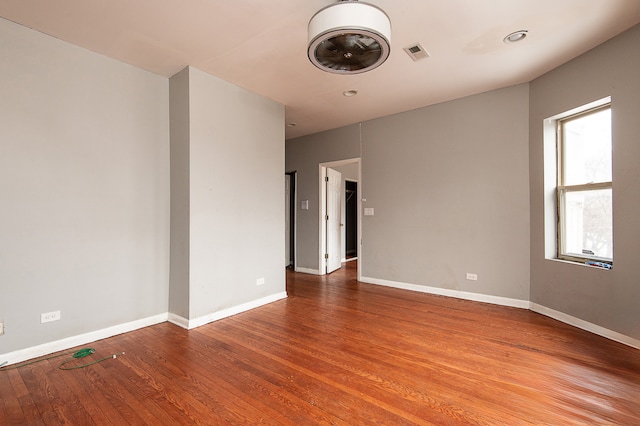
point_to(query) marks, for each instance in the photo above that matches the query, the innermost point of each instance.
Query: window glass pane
(587, 148)
(588, 227)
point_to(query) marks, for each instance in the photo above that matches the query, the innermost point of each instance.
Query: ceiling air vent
(416, 52)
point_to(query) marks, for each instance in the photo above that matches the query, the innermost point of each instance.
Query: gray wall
(304, 156)
(449, 185)
(84, 184)
(459, 187)
(87, 159)
(606, 298)
(179, 294)
(235, 194)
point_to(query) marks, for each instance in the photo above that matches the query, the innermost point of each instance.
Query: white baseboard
(585, 325)
(477, 297)
(234, 310)
(516, 303)
(81, 339)
(308, 271)
(178, 320)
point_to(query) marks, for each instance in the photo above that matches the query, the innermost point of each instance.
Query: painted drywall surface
(236, 195)
(449, 188)
(610, 299)
(84, 184)
(304, 154)
(180, 193)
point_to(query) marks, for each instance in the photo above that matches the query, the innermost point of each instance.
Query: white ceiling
(261, 45)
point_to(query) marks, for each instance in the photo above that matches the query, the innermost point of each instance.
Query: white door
(334, 234)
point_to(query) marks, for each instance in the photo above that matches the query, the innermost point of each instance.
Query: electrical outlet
(1, 328)
(49, 316)
(260, 281)
(472, 277)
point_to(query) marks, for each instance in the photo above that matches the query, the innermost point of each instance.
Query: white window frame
(562, 189)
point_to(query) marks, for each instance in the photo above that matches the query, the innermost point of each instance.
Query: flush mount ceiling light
(349, 37)
(515, 36)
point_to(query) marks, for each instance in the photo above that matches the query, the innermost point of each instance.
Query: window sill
(593, 264)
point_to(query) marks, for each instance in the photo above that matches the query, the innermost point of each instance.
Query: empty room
(319, 212)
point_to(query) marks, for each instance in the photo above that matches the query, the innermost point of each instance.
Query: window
(584, 186)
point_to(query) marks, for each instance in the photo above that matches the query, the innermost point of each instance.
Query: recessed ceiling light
(349, 93)
(515, 36)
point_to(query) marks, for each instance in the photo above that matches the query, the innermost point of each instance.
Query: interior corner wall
(449, 188)
(304, 155)
(606, 298)
(84, 184)
(235, 195)
(180, 193)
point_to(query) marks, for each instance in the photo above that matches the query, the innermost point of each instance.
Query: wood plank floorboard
(340, 352)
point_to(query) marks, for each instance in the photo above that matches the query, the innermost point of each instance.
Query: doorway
(350, 220)
(332, 238)
(290, 219)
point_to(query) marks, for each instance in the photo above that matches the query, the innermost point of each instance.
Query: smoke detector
(349, 37)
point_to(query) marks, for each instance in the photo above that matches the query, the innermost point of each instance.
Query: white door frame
(322, 265)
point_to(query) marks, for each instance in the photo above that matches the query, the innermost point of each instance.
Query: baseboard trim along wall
(585, 325)
(81, 339)
(476, 297)
(516, 303)
(178, 320)
(308, 271)
(234, 310)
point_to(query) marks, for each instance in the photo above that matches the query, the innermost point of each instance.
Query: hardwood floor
(340, 352)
